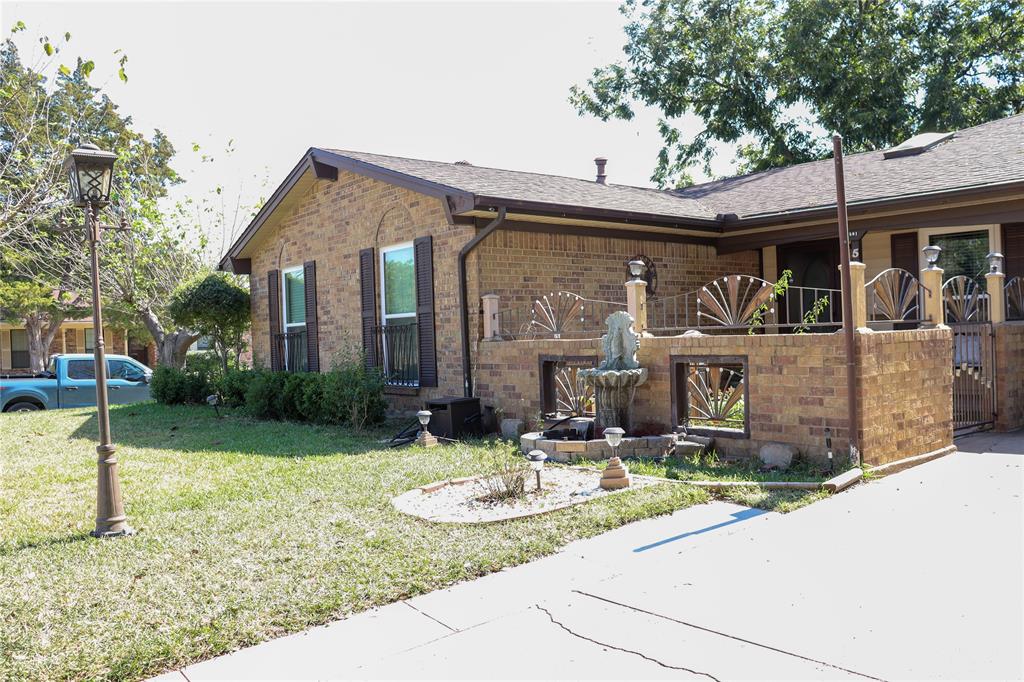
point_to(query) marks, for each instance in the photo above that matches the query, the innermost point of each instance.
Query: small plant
(812, 315)
(779, 289)
(507, 478)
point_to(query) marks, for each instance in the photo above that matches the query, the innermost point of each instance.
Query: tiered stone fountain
(615, 382)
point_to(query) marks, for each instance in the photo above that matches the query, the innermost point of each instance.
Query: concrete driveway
(917, 576)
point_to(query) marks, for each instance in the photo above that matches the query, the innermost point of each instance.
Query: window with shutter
(426, 337)
(903, 250)
(368, 304)
(293, 313)
(1013, 250)
(399, 346)
(312, 324)
(274, 317)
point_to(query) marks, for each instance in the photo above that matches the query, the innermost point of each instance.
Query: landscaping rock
(778, 455)
(687, 448)
(707, 441)
(511, 428)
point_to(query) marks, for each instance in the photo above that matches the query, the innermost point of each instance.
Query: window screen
(963, 253)
(294, 298)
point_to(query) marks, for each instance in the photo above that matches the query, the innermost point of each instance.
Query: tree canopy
(216, 306)
(775, 76)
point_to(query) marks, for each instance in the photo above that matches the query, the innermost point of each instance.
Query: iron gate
(974, 353)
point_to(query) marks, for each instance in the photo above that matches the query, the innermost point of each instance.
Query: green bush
(291, 402)
(173, 386)
(233, 386)
(353, 394)
(311, 402)
(263, 397)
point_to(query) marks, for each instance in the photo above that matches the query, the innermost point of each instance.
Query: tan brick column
(994, 282)
(858, 296)
(636, 303)
(492, 325)
(934, 310)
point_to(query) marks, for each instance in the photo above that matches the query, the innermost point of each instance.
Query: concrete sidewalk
(917, 576)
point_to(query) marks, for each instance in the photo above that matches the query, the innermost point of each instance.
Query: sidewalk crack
(618, 648)
(420, 611)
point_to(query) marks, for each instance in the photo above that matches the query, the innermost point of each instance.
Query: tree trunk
(41, 330)
(171, 347)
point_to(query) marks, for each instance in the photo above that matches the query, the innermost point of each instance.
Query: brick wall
(1009, 375)
(796, 383)
(519, 266)
(329, 224)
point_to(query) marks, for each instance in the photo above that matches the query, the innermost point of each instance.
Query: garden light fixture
(613, 436)
(636, 268)
(425, 438)
(995, 263)
(537, 458)
(90, 171)
(931, 254)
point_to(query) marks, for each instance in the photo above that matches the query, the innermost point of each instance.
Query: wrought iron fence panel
(398, 353)
(974, 398)
(895, 295)
(556, 315)
(733, 300)
(1013, 292)
(292, 348)
(965, 300)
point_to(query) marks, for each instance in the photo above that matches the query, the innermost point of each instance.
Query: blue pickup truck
(70, 381)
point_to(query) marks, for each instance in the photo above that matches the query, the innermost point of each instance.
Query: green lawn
(247, 531)
(713, 469)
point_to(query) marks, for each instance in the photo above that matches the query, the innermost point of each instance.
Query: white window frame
(384, 316)
(285, 325)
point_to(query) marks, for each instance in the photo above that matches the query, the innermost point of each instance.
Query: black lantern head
(90, 170)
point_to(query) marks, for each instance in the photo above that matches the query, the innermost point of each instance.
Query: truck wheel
(23, 407)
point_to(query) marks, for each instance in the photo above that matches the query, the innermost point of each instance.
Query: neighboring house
(425, 265)
(75, 336)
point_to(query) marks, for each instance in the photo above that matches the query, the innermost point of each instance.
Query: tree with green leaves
(775, 76)
(42, 311)
(49, 108)
(215, 306)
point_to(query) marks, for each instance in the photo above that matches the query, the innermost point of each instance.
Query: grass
(246, 531)
(711, 468)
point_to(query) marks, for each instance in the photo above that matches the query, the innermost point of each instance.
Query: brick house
(74, 336)
(438, 272)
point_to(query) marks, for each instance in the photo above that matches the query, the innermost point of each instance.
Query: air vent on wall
(916, 145)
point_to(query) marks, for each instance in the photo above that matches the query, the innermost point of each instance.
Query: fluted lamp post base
(111, 521)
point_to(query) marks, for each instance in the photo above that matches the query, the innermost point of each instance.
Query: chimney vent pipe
(601, 177)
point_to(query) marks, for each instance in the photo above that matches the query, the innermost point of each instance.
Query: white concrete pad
(327, 652)
(914, 577)
(525, 645)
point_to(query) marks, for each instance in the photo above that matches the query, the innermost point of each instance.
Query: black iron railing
(292, 348)
(397, 353)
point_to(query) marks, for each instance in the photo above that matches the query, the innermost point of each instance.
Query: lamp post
(90, 171)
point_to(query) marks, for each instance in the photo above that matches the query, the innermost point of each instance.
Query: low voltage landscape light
(537, 458)
(425, 438)
(613, 436)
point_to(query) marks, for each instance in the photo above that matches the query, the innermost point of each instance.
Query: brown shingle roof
(986, 154)
(536, 187)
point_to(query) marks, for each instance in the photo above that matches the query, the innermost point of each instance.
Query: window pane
(401, 352)
(295, 297)
(90, 339)
(963, 254)
(399, 282)
(19, 339)
(81, 369)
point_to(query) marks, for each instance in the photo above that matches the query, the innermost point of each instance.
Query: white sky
(486, 82)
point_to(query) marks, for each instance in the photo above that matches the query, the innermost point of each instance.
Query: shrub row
(350, 394)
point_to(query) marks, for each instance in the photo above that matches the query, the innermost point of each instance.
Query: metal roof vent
(463, 163)
(916, 145)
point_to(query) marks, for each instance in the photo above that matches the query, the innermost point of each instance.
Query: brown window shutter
(424, 254)
(368, 301)
(1013, 250)
(903, 249)
(312, 328)
(274, 310)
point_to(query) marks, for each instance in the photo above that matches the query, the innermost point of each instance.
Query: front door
(815, 268)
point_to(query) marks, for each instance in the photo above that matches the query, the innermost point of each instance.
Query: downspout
(848, 332)
(467, 367)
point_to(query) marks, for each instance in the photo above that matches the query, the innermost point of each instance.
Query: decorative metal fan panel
(732, 300)
(894, 294)
(963, 300)
(714, 393)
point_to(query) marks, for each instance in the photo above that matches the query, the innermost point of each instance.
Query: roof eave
(484, 203)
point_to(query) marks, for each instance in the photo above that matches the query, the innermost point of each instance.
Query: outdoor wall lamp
(995, 263)
(931, 254)
(90, 171)
(425, 438)
(636, 268)
(537, 458)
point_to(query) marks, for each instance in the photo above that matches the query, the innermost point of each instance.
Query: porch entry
(974, 381)
(815, 268)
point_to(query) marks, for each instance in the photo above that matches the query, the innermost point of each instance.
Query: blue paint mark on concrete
(737, 517)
